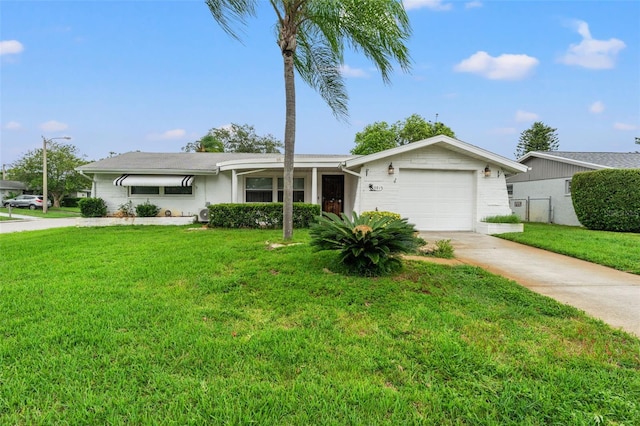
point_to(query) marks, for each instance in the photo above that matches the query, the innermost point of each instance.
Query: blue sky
(120, 76)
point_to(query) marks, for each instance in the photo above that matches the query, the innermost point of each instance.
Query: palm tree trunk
(289, 144)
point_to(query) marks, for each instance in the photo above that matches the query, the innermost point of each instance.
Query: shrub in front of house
(368, 246)
(376, 214)
(92, 207)
(507, 218)
(147, 209)
(607, 200)
(260, 215)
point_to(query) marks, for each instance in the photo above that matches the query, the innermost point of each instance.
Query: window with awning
(154, 180)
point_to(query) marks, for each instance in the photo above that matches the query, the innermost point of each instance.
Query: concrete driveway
(610, 295)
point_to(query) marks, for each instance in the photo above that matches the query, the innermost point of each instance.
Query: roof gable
(448, 143)
(590, 160)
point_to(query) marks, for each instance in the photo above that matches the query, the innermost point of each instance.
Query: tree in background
(62, 178)
(207, 143)
(380, 136)
(235, 138)
(539, 137)
(312, 35)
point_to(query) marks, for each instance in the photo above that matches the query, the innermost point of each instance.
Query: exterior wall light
(391, 170)
(487, 172)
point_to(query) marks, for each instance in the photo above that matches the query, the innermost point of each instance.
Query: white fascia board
(150, 171)
(278, 163)
(455, 144)
(562, 160)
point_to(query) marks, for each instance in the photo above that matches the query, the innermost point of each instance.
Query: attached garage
(437, 200)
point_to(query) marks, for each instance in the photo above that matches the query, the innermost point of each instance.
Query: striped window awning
(154, 180)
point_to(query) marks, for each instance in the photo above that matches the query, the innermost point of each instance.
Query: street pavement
(30, 223)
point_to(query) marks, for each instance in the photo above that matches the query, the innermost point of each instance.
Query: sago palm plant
(367, 245)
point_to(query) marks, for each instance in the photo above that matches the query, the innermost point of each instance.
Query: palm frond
(228, 12)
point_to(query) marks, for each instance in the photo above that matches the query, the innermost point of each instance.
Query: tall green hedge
(608, 200)
(260, 215)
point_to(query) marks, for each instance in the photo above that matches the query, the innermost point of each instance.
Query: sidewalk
(610, 295)
(31, 223)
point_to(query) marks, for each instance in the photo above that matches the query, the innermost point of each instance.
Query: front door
(333, 193)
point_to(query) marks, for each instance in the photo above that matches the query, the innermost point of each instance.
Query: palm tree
(312, 35)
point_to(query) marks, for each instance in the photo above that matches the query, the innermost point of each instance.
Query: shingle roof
(183, 161)
(617, 160)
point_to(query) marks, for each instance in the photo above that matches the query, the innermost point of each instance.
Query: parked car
(31, 201)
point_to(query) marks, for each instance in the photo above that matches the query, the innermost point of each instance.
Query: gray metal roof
(204, 162)
(12, 184)
(616, 160)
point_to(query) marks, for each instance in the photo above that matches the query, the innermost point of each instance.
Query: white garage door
(437, 200)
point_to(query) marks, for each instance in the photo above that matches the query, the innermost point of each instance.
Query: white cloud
(503, 67)
(473, 4)
(624, 126)
(8, 47)
(592, 53)
(13, 125)
(347, 71)
(526, 116)
(428, 4)
(596, 108)
(53, 126)
(172, 134)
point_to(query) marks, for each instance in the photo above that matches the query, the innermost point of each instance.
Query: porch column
(314, 185)
(234, 186)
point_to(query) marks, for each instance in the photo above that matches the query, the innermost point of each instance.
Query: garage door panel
(437, 200)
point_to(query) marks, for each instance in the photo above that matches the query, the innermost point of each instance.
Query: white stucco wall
(205, 189)
(562, 211)
(490, 195)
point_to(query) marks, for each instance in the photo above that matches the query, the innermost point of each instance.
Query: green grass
(162, 325)
(52, 213)
(5, 218)
(617, 250)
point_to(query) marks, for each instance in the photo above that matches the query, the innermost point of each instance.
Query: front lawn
(617, 250)
(165, 325)
(52, 212)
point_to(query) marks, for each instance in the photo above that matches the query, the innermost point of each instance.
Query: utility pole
(45, 194)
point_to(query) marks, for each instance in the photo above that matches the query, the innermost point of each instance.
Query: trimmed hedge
(378, 214)
(92, 207)
(607, 200)
(260, 215)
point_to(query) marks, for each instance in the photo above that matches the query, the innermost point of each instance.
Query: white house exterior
(8, 187)
(439, 183)
(543, 194)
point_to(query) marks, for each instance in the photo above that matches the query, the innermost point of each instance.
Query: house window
(567, 186)
(298, 190)
(259, 190)
(178, 190)
(145, 190)
(510, 190)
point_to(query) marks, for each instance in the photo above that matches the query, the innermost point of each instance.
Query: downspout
(93, 182)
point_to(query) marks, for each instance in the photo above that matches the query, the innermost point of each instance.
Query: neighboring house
(8, 187)
(439, 183)
(543, 194)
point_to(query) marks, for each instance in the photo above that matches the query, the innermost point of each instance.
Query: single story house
(8, 187)
(438, 183)
(543, 194)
